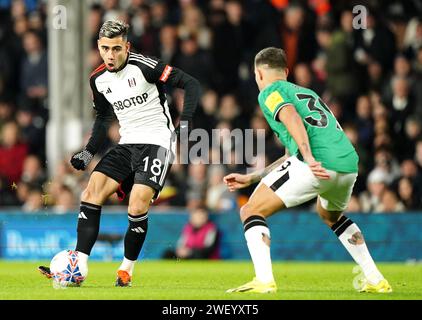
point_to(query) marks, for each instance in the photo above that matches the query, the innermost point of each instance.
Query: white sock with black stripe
(352, 239)
(258, 238)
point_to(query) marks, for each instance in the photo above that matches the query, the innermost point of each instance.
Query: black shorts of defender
(146, 164)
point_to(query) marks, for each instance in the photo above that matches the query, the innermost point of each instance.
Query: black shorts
(146, 164)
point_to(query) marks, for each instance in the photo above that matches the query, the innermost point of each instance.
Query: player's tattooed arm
(256, 176)
(235, 181)
(294, 124)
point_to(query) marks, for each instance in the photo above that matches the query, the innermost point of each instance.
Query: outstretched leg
(99, 188)
(352, 239)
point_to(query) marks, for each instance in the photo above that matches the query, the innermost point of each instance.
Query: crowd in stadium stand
(370, 78)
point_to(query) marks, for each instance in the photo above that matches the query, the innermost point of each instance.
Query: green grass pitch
(208, 280)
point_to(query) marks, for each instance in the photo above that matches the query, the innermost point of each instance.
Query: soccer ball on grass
(67, 270)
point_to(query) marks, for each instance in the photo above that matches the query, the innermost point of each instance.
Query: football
(66, 269)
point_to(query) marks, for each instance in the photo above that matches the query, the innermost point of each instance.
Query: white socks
(83, 257)
(127, 265)
(257, 237)
(351, 237)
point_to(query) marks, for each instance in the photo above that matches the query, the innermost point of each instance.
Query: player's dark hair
(113, 29)
(275, 58)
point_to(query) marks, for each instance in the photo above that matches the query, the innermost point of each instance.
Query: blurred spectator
(64, 175)
(401, 105)
(403, 67)
(34, 201)
(377, 184)
(175, 188)
(390, 202)
(304, 77)
(205, 115)
(94, 58)
(224, 144)
(36, 24)
(6, 112)
(341, 77)
(194, 61)
(413, 36)
(297, 39)
(33, 172)
(218, 197)
(231, 112)
(22, 192)
(18, 9)
(12, 152)
(65, 201)
(354, 204)
(417, 64)
(418, 154)
(196, 184)
(409, 170)
(32, 128)
(230, 46)
(337, 108)
(111, 9)
(8, 195)
(385, 160)
(375, 43)
(364, 122)
(132, 5)
(199, 238)
(143, 35)
(273, 149)
(34, 71)
(159, 12)
(168, 43)
(410, 199)
(376, 76)
(95, 20)
(216, 14)
(413, 132)
(365, 162)
(193, 25)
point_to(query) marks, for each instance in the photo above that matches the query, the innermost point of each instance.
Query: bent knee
(138, 207)
(248, 210)
(90, 196)
(330, 219)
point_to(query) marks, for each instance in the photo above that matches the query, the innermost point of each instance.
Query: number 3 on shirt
(323, 121)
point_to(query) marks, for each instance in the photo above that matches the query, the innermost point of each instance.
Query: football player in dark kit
(132, 86)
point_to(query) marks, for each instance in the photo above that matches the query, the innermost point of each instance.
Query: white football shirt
(136, 94)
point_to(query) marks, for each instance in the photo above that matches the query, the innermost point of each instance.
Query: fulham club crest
(132, 82)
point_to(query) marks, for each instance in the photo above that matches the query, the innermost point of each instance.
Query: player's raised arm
(293, 122)
(104, 116)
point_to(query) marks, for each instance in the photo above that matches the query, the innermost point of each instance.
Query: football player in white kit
(132, 86)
